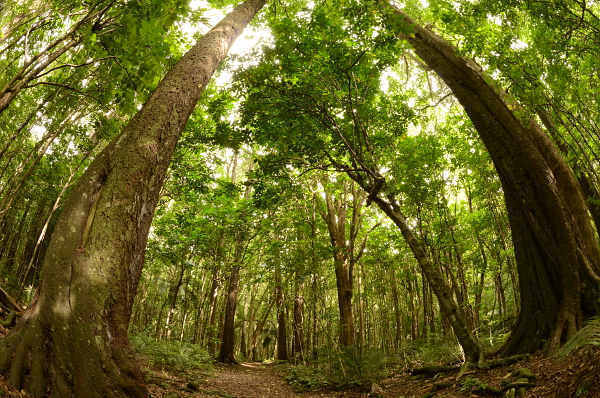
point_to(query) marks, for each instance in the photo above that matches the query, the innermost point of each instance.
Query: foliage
(345, 367)
(172, 355)
(358, 366)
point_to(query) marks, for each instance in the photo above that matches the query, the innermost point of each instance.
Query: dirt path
(250, 380)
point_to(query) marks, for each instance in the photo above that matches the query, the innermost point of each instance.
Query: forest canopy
(368, 174)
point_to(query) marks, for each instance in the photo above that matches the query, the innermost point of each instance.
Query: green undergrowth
(414, 354)
(171, 355)
(354, 367)
(306, 378)
(350, 367)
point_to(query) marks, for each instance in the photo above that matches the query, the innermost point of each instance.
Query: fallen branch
(433, 370)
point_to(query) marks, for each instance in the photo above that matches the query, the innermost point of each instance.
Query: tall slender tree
(72, 339)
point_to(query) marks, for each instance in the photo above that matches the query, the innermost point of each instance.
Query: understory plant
(345, 367)
(589, 335)
(172, 355)
(433, 351)
(306, 378)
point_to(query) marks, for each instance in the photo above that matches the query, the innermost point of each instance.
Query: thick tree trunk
(227, 350)
(334, 216)
(555, 247)
(72, 340)
(345, 251)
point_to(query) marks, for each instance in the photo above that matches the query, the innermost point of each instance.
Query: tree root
(65, 362)
(500, 391)
(10, 320)
(496, 363)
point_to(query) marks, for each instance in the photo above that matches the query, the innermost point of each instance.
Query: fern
(589, 335)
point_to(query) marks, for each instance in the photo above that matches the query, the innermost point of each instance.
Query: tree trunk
(282, 353)
(298, 325)
(397, 310)
(472, 348)
(72, 340)
(344, 254)
(227, 351)
(259, 327)
(555, 247)
(344, 291)
(172, 301)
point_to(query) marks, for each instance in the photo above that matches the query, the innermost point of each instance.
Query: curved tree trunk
(72, 340)
(555, 248)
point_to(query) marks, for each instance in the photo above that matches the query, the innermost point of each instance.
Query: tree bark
(555, 247)
(72, 340)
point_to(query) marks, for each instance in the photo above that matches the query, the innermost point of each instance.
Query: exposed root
(566, 327)
(495, 363)
(41, 360)
(463, 369)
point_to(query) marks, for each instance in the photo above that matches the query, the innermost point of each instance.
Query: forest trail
(254, 380)
(248, 380)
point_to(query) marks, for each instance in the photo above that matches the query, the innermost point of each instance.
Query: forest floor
(248, 380)
(556, 379)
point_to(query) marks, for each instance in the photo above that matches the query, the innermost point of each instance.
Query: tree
(72, 339)
(67, 102)
(355, 127)
(555, 246)
(342, 197)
